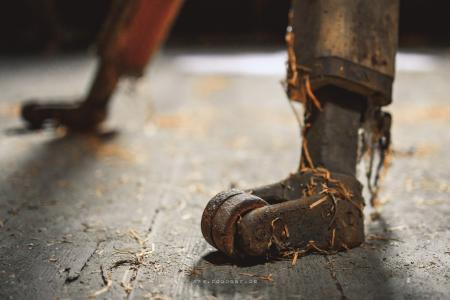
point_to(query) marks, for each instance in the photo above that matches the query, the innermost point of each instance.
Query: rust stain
(10, 110)
(208, 86)
(416, 114)
(103, 150)
(193, 122)
(417, 151)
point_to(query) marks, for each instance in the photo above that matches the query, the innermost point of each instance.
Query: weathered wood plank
(67, 205)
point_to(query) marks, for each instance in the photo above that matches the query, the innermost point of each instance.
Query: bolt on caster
(319, 212)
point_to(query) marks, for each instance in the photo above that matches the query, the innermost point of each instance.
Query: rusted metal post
(346, 51)
(349, 44)
(331, 137)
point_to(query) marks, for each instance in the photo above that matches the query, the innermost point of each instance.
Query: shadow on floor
(360, 272)
(50, 167)
(41, 212)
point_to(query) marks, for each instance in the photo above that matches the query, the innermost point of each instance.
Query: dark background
(48, 26)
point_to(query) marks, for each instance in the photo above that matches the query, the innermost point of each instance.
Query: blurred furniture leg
(134, 31)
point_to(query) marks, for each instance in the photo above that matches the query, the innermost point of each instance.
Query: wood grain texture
(77, 212)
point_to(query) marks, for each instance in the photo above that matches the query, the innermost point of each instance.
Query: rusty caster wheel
(242, 225)
(221, 215)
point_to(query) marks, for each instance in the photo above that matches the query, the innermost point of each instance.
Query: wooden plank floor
(116, 215)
